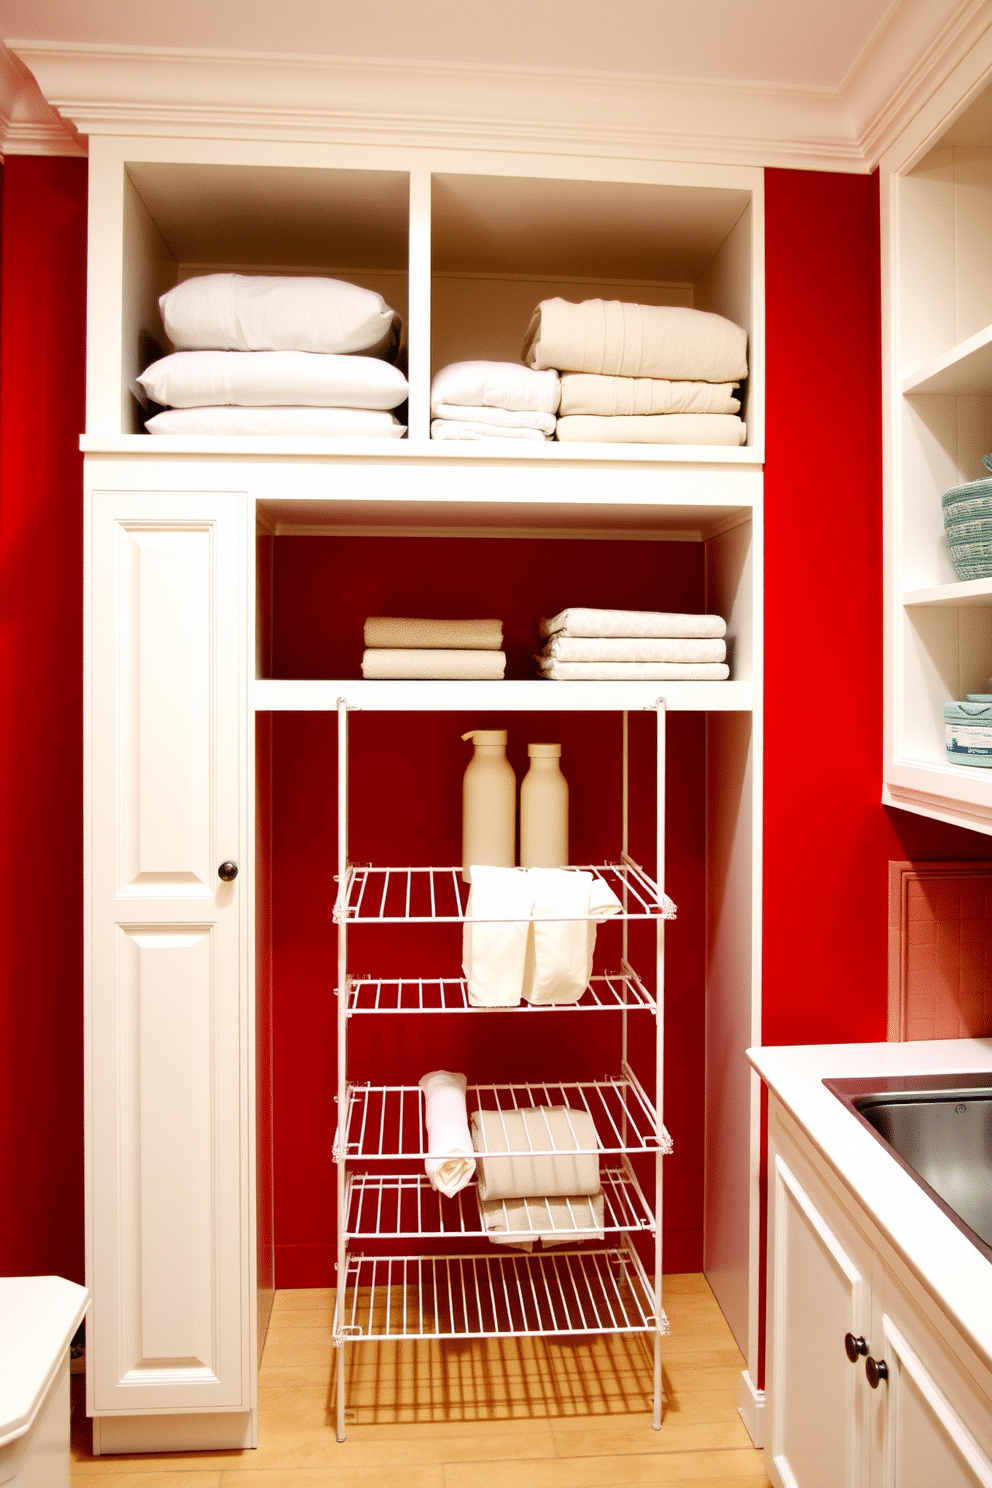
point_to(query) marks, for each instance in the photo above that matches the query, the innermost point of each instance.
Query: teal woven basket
(968, 526)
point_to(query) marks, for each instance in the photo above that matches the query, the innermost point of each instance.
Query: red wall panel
(42, 298)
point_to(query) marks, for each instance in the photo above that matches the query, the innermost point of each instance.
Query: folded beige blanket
(450, 635)
(586, 392)
(632, 671)
(461, 666)
(479, 429)
(557, 1221)
(565, 1137)
(660, 428)
(656, 623)
(624, 340)
(631, 648)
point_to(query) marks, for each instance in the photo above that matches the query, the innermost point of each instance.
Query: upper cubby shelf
(965, 370)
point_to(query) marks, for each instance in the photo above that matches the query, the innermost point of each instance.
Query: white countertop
(38, 1316)
(955, 1272)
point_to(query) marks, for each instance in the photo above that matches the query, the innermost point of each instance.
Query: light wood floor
(498, 1414)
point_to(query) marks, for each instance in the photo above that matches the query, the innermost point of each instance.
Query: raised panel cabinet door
(168, 1121)
(819, 1291)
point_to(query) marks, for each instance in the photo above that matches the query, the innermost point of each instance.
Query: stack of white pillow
(258, 354)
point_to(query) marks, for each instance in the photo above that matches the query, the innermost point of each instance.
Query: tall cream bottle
(489, 803)
(544, 810)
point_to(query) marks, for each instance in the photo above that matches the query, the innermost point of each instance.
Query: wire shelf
(387, 896)
(387, 1121)
(388, 1206)
(611, 992)
(494, 1296)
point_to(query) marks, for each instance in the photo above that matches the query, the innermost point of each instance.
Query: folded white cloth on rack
(625, 340)
(632, 671)
(273, 379)
(280, 312)
(632, 648)
(582, 621)
(554, 1220)
(451, 1163)
(662, 428)
(458, 429)
(507, 385)
(555, 1151)
(432, 635)
(493, 954)
(587, 392)
(453, 665)
(560, 951)
(289, 423)
(503, 418)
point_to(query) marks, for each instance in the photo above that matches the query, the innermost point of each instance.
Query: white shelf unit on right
(937, 378)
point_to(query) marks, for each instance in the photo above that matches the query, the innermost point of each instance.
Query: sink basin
(939, 1128)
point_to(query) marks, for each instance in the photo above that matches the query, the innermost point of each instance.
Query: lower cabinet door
(819, 1291)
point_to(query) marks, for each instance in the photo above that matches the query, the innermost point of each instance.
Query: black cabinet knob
(877, 1370)
(227, 871)
(855, 1348)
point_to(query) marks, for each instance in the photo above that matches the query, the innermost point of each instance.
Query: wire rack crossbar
(494, 1295)
(612, 992)
(373, 895)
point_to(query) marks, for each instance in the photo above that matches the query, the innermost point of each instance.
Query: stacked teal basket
(968, 525)
(968, 730)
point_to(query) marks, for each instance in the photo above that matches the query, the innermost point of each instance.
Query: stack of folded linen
(258, 354)
(633, 645)
(645, 374)
(546, 1185)
(452, 650)
(493, 400)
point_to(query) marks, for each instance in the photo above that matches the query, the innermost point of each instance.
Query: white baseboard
(751, 1409)
(207, 1431)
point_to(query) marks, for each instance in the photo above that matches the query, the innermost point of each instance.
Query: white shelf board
(966, 368)
(950, 596)
(537, 696)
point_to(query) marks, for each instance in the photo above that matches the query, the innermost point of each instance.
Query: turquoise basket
(968, 526)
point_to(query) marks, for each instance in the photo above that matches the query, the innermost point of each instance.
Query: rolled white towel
(451, 1163)
(507, 385)
(565, 1139)
(578, 621)
(493, 954)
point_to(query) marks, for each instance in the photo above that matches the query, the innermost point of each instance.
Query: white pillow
(337, 423)
(266, 379)
(259, 312)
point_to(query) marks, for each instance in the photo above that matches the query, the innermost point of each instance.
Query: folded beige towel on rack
(658, 624)
(624, 340)
(503, 418)
(507, 385)
(587, 392)
(555, 1152)
(662, 428)
(451, 1164)
(632, 648)
(632, 671)
(453, 665)
(458, 429)
(555, 1221)
(394, 632)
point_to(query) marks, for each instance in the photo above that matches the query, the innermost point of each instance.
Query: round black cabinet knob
(227, 871)
(855, 1348)
(877, 1370)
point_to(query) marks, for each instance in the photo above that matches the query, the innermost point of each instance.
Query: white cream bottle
(544, 810)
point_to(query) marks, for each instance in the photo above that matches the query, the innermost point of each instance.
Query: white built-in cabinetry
(464, 243)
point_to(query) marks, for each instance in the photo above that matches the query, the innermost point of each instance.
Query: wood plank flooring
(513, 1413)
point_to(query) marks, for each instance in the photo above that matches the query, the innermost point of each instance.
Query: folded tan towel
(631, 648)
(624, 340)
(632, 671)
(577, 621)
(567, 1138)
(557, 1221)
(660, 428)
(585, 392)
(459, 666)
(450, 635)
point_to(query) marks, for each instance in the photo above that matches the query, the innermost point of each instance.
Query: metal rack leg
(339, 1349)
(341, 1139)
(661, 713)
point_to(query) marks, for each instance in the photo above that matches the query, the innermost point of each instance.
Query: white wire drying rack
(613, 992)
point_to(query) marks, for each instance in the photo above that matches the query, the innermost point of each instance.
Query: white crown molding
(28, 124)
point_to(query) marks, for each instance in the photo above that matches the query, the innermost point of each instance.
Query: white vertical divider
(419, 329)
(341, 1140)
(659, 1029)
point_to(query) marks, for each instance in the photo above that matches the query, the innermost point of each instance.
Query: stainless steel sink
(939, 1128)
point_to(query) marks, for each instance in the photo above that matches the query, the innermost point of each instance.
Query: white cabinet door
(819, 1290)
(169, 1183)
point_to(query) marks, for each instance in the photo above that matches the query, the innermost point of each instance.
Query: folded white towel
(624, 340)
(506, 385)
(586, 392)
(559, 957)
(288, 423)
(554, 1220)
(456, 429)
(579, 621)
(503, 418)
(458, 666)
(662, 428)
(565, 1138)
(493, 954)
(432, 635)
(273, 379)
(632, 648)
(277, 312)
(632, 671)
(451, 1163)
